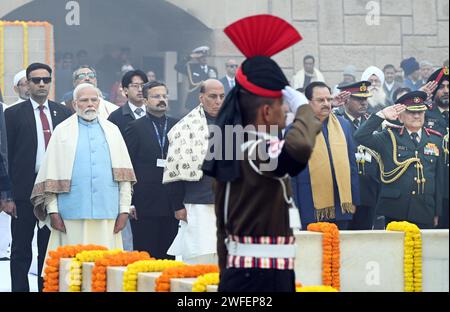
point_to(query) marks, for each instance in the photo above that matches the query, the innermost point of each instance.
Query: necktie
(45, 125)
(356, 123)
(232, 83)
(139, 111)
(415, 138)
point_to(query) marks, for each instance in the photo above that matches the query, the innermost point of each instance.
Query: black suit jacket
(22, 144)
(122, 117)
(151, 198)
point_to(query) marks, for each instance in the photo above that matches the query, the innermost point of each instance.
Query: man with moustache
(83, 189)
(156, 204)
(328, 189)
(20, 88)
(188, 144)
(29, 126)
(437, 119)
(355, 111)
(378, 100)
(412, 159)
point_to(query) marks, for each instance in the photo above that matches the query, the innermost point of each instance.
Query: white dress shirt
(231, 82)
(134, 107)
(40, 152)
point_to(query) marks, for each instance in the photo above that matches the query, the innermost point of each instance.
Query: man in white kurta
(196, 241)
(83, 188)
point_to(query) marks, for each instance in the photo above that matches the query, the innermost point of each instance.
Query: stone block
(86, 283)
(147, 281)
(354, 7)
(64, 274)
(331, 26)
(388, 55)
(114, 279)
(435, 260)
(309, 44)
(181, 284)
(425, 17)
(357, 31)
(306, 271)
(377, 266)
(442, 9)
(443, 32)
(304, 10)
(396, 7)
(222, 45)
(212, 288)
(285, 58)
(407, 25)
(13, 39)
(418, 46)
(282, 9)
(336, 57)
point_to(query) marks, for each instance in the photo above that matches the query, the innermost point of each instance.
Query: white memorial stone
(147, 281)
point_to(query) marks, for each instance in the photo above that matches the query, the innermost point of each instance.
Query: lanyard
(161, 141)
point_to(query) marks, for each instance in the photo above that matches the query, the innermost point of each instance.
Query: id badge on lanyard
(161, 162)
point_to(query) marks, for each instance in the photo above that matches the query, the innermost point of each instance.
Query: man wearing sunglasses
(228, 81)
(29, 126)
(87, 74)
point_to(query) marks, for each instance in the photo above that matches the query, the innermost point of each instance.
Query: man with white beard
(376, 77)
(83, 188)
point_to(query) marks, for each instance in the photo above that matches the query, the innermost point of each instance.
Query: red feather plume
(262, 35)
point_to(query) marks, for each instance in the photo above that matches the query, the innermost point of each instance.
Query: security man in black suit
(29, 126)
(437, 119)
(156, 204)
(355, 111)
(197, 70)
(411, 162)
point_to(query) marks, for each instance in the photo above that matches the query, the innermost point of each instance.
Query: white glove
(293, 98)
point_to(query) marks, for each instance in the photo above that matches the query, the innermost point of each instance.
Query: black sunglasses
(233, 66)
(37, 80)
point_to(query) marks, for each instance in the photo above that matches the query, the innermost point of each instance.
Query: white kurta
(198, 236)
(87, 232)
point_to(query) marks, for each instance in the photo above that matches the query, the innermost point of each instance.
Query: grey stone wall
(335, 31)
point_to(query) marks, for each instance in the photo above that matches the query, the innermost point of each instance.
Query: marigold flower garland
(205, 280)
(120, 259)
(131, 274)
(189, 271)
(76, 267)
(51, 272)
(316, 289)
(330, 253)
(412, 252)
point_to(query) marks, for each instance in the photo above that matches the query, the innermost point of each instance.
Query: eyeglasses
(37, 80)
(136, 85)
(158, 97)
(84, 75)
(233, 66)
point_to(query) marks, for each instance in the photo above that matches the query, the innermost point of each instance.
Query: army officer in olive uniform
(412, 158)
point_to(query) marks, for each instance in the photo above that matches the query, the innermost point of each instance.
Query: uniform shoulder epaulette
(431, 131)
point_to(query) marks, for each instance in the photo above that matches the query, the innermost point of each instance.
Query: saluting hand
(429, 89)
(341, 98)
(121, 222)
(392, 112)
(57, 222)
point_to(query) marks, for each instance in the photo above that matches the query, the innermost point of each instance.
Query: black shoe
(4, 259)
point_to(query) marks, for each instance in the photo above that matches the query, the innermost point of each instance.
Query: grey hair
(83, 86)
(74, 75)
